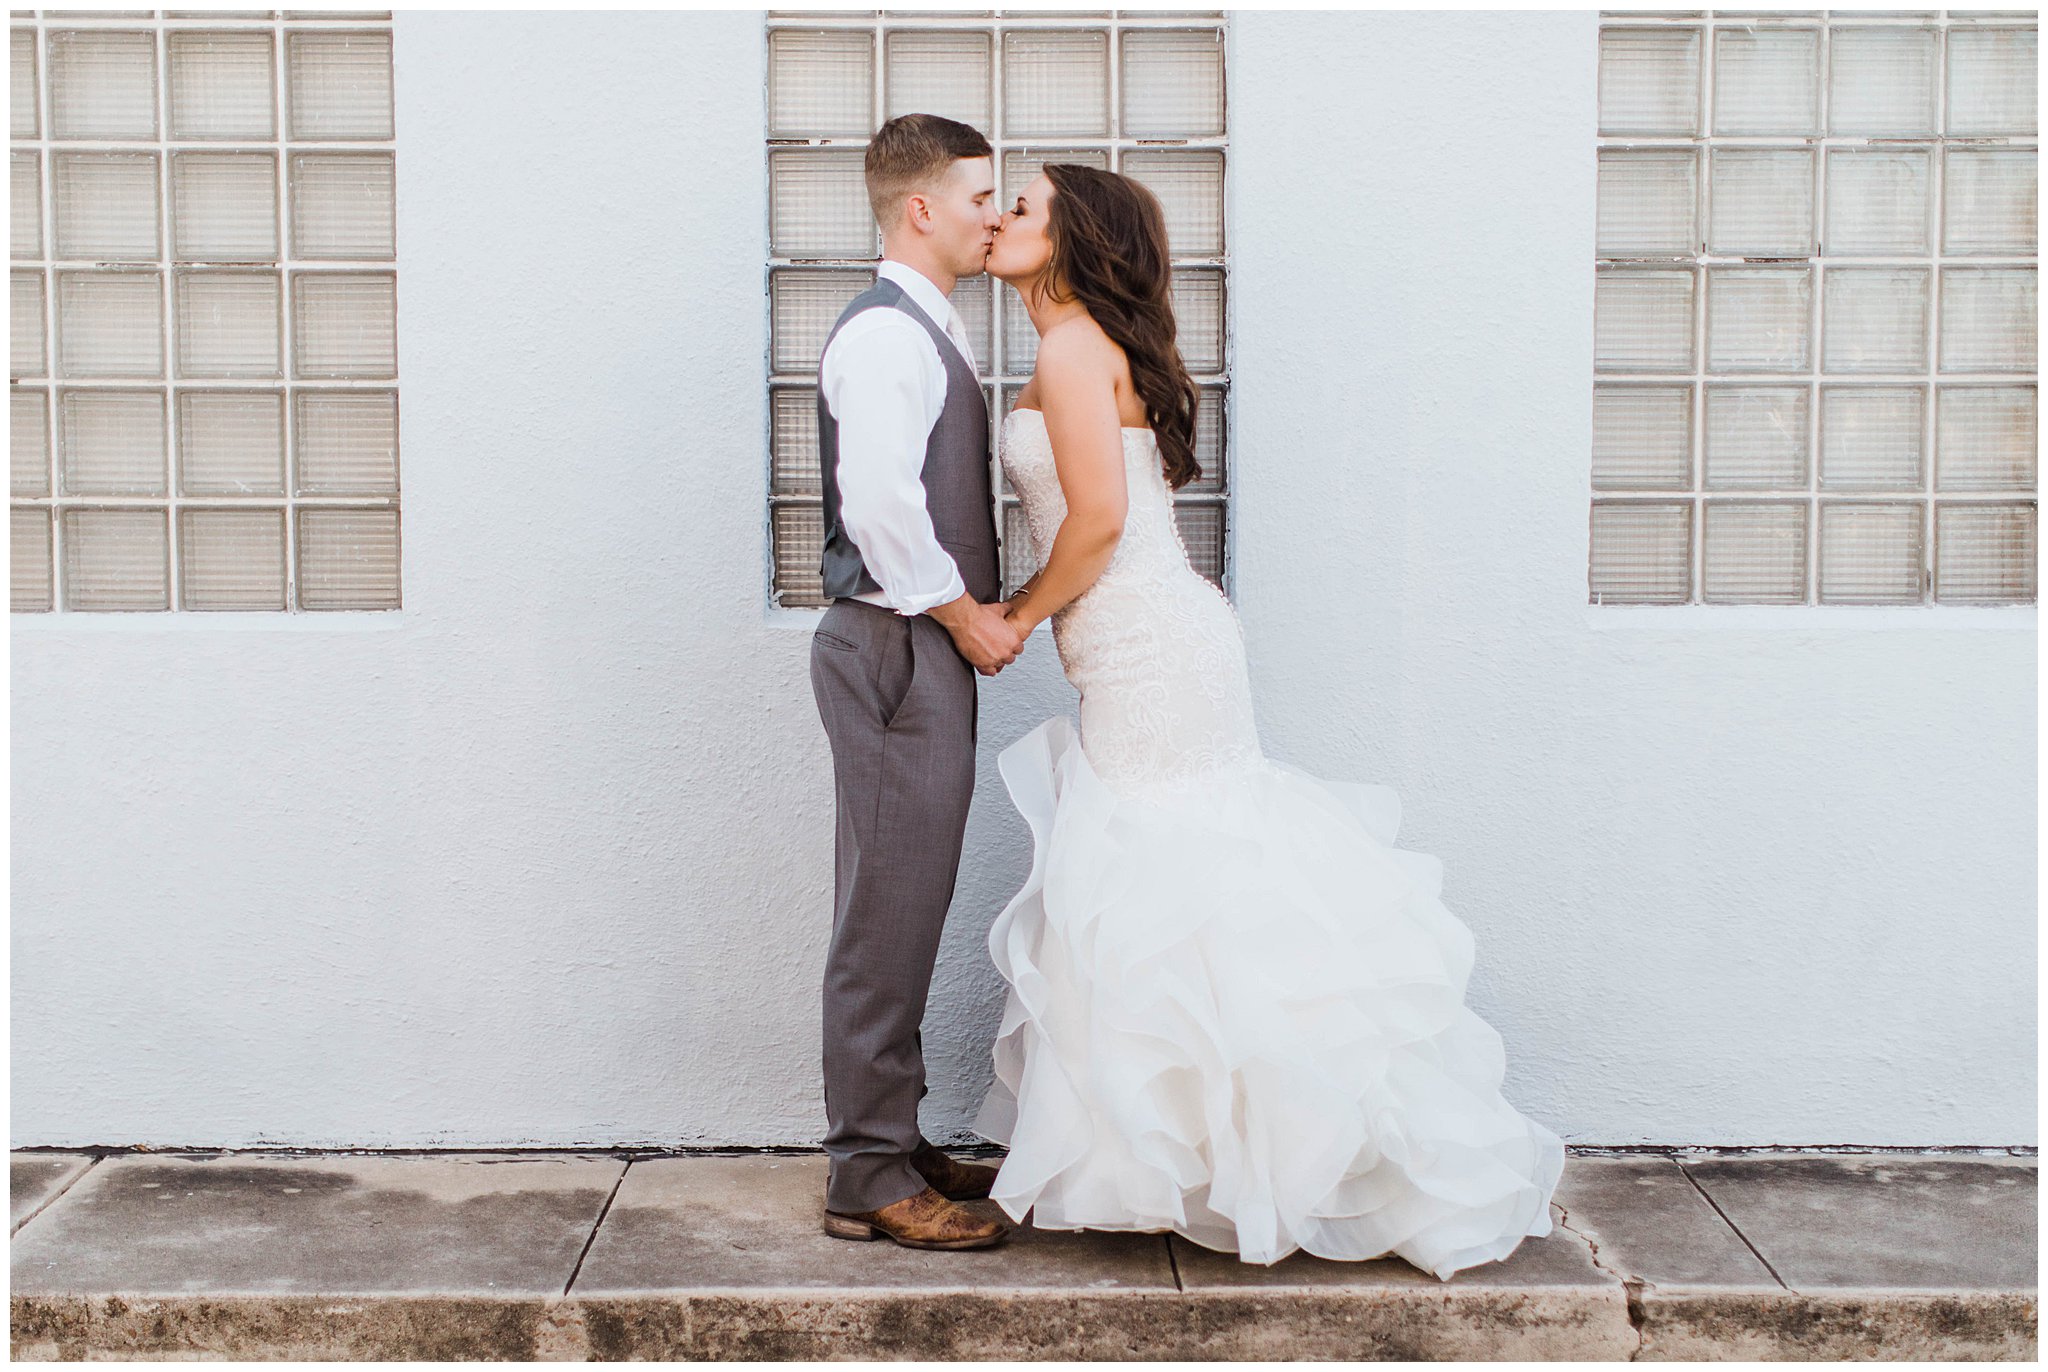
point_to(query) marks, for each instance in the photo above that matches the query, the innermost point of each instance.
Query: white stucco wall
(545, 858)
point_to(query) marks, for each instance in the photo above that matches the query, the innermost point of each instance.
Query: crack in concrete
(1631, 1285)
(577, 1270)
(1726, 1219)
(55, 1196)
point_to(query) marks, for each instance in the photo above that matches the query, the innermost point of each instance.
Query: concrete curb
(559, 1257)
(1920, 1326)
(810, 1325)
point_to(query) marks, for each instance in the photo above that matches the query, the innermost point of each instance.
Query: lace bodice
(1153, 646)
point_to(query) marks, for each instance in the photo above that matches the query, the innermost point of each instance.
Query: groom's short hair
(910, 153)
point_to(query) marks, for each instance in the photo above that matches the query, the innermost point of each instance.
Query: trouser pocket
(895, 668)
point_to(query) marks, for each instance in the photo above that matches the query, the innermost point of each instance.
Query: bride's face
(1022, 246)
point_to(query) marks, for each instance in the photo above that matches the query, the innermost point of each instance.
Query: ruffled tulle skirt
(1236, 1012)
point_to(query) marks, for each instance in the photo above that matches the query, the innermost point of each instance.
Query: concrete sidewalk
(719, 1256)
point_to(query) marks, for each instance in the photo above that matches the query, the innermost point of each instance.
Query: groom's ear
(914, 211)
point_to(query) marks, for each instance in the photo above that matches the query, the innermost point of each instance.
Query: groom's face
(964, 214)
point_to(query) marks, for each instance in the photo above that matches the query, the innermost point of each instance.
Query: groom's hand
(983, 636)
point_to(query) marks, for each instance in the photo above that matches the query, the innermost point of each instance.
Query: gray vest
(955, 473)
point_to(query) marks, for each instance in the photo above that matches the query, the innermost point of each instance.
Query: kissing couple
(1235, 1010)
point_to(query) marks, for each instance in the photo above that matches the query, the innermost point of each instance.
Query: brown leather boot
(951, 1178)
(925, 1220)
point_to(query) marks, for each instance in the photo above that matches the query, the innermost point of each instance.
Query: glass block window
(204, 380)
(1815, 378)
(1140, 92)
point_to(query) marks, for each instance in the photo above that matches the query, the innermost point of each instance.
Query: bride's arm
(1078, 397)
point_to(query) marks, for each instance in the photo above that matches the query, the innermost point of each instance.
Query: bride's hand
(1017, 609)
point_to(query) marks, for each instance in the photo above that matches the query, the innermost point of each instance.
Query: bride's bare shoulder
(1078, 348)
(1079, 337)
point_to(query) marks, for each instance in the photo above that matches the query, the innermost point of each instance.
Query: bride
(1235, 1009)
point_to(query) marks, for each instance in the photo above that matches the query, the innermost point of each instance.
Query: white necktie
(956, 329)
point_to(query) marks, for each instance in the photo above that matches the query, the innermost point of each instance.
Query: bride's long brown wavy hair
(1109, 250)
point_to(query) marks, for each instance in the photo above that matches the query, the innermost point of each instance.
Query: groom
(911, 564)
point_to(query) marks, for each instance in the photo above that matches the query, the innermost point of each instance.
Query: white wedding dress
(1235, 1009)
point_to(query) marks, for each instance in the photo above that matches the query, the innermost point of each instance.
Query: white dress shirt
(884, 382)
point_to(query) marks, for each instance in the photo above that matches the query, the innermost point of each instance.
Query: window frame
(1816, 497)
(1000, 379)
(287, 267)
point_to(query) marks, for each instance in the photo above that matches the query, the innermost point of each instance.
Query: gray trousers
(900, 709)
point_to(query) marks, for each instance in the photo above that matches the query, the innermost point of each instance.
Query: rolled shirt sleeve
(877, 379)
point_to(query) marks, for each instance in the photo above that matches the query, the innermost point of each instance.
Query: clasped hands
(993, 634)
